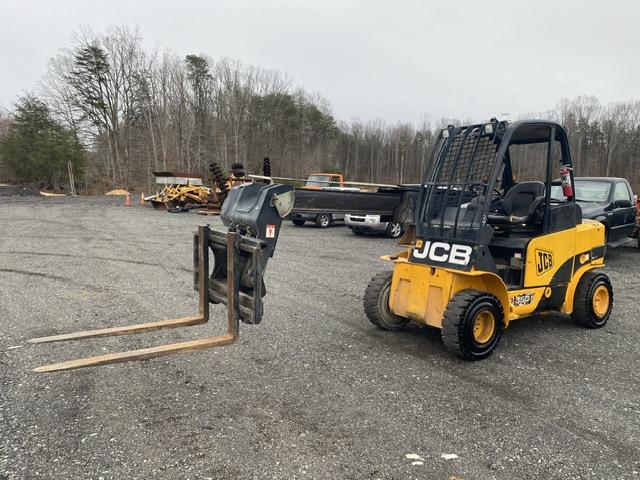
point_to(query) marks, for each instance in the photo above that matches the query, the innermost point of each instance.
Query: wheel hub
(484, 326)
(600, 301)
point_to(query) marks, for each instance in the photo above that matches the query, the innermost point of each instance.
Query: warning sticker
(271, 231)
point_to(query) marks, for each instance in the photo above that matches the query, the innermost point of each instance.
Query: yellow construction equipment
(179, 189)
(177, 195)
(490, 248)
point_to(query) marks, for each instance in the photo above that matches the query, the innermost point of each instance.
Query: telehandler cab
(491, 245)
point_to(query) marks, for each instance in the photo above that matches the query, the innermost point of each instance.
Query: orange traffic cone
(127, 201)
(142, 198)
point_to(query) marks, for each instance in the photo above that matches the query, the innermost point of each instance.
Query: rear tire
(394, 230)
(472, 324)
(323, 220)
(376, 303)
(593, 300)
(298, 221)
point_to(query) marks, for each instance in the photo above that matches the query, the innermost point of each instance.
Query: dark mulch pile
(18, 191)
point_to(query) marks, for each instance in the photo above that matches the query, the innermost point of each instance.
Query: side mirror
(622, 203)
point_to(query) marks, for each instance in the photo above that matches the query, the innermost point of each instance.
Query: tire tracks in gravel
(50, 276)
(86, 257)
(71, 255)
(91, 239)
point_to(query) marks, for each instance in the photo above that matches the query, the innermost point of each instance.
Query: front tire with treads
(472, 324)
(593, 300)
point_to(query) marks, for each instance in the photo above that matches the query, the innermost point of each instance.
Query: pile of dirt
(117, 192)
(51, 194)
(18, 191)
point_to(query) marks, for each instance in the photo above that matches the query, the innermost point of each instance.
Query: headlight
(284, 203)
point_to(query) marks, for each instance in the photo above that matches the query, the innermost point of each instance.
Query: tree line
(131, 111)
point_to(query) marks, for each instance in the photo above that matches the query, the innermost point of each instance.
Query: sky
(394, 60)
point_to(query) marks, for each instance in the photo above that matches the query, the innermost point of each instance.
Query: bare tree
(140, 111)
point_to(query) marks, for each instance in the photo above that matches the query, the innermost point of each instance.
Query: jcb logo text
(442, 252)
(544, 261)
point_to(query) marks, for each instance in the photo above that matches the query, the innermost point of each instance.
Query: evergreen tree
(36, 149)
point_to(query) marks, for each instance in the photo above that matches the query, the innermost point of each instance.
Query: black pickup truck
(608, 200)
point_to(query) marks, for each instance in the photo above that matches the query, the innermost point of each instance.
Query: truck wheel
(593, 300)
(394, 230)
(376, 303)
(323, 220)
(472, 324)
(298, 221)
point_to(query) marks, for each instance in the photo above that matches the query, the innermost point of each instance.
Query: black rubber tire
(219, 178)
(323, 220)
(376, 303)
(583, 313)
(266, 167)
(394, 230)
(457, 324)
(298, 221)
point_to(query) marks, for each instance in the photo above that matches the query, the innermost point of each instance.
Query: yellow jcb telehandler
(491, 246)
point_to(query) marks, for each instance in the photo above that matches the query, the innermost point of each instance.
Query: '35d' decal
(522, 299)
(441, 252)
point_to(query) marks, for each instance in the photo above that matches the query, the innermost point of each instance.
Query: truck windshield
(592, 191)
(318, 181)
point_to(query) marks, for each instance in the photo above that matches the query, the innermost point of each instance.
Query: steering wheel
(475, 187)
(538, 209)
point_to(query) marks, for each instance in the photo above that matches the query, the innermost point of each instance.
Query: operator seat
(519, 203)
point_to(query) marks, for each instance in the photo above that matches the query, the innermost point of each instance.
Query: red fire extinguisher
(565, 181)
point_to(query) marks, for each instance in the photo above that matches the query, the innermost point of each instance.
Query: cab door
(623, 214)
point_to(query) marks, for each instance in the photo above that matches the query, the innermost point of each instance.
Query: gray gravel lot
(315, 391)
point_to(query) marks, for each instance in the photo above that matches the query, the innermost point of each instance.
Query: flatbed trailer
(391, 203)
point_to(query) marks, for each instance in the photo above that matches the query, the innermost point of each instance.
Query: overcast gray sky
(388, 59)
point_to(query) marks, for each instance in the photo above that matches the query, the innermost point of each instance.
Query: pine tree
(36, 149)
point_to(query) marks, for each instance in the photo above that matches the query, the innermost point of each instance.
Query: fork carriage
(253, 216)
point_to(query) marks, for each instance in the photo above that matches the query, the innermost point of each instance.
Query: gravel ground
(315, 391)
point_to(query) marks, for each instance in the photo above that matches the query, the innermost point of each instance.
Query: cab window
(592, 191)
(317, 181)
(621, 192)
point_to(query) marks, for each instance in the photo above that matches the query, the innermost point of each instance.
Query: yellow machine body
(552, 267)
